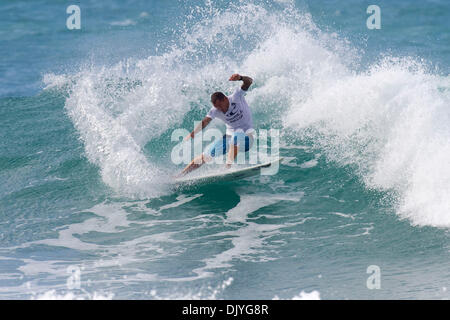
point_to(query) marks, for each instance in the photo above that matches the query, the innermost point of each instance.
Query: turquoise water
(87, 205)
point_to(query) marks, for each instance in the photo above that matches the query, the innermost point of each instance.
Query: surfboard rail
(232, 175)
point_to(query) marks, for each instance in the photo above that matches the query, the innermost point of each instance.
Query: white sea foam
(250, 238)
(390, 123)
(71, 295)
(303, 295)
(210, 292)
(182, 199)
(252, 202)
(123, 23)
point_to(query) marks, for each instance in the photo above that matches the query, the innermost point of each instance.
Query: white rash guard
(238, 116)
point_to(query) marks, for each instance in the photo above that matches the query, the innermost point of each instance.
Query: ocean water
(87, 206)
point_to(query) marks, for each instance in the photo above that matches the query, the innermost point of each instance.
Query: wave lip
(390, 125)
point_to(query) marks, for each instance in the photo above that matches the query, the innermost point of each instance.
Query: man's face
(222, 105)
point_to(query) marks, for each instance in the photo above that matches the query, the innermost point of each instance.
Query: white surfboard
(228, 175)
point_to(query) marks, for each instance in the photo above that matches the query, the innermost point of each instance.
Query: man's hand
(190, 135)
(247, 80)
(201, 126)
(235, 77)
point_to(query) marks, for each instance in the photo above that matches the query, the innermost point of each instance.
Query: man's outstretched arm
(200, 126)
(247, 80)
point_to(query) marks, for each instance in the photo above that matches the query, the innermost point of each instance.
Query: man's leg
(237, 140)
(196, 163)
(234, 149)
(217, 148)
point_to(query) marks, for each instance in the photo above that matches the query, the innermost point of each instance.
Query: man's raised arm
(247, 80)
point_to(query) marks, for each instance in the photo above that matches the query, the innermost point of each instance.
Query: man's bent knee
(206, 158)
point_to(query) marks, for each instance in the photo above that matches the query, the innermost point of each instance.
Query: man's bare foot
(179, 175)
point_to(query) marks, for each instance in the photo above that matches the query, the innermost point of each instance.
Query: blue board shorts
(220, 146)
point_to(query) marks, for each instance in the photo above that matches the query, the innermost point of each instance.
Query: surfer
(236, 114)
